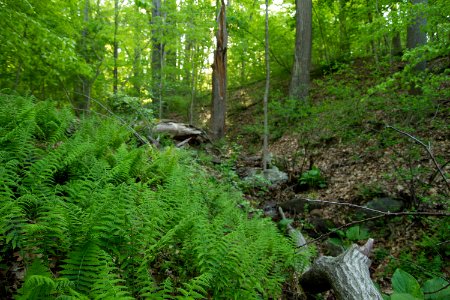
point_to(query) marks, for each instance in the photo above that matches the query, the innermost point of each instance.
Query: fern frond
(38, 284)
(196, 288)
(84, 266)
(12, 223)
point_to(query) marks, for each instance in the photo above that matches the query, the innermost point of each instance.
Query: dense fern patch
(86, 214)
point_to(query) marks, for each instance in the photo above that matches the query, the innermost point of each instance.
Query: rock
(384, 204)
(275, 176)
(333, 248)
(299, 205)
(272, 177)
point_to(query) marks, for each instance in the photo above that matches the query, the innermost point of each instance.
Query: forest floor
(343, 134)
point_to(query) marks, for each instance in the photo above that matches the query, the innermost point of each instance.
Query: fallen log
(347, 274)
(181, 131)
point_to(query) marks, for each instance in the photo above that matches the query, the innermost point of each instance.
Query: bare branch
(344, 204)
(427, 148)
(382, 215)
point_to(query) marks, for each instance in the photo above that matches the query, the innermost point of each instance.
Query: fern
(110, 220)
(90, 269)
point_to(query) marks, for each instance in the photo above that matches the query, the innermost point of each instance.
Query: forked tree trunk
(219, 77)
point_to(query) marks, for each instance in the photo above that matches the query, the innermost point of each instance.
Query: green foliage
(93, 216)
(357, 233)
(312, 179)
(406, 287)
(404, 283)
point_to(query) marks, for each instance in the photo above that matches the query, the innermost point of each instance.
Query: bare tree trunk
(373, 41)
(344, 42)
(396, 43)
(322, 36)
(299, 88)
(82, 97)
(157, 52)
(265, 160)
(396, 49)
(193, 85)
(219, 77)
(416, 34)
(116, 46)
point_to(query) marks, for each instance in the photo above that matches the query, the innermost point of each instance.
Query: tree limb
(427, 148)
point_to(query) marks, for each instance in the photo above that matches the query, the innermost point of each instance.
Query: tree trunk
(116, 46)
(265, 160)
(396, 43)
(82, 93)
(299, 87)
(193, 85)
(219, 77)
(344, 42)
(396, 49)
(416, 34)
(157, 52)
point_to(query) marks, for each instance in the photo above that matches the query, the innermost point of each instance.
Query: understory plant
(87, 214)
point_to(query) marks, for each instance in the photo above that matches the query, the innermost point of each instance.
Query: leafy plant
(406, 287)
(312, 179)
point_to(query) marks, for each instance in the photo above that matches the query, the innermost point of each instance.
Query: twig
(122, 121)
(427, 148)
(344, 204)
(181, 144)
(382, 215)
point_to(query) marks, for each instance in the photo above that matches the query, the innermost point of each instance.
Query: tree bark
(347, 274)
(157, 52)
(299, 88)
(219, 77)
(82, 97)
(396, 49)
(396, 43)
(344, 42)
(265, 160)
(416, 35)
(116, 46)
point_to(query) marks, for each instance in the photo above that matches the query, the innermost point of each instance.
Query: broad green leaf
(430, 287)
(403, 282)
(403, 296)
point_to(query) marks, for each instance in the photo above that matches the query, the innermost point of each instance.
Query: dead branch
(382, 215)
(427, 148)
